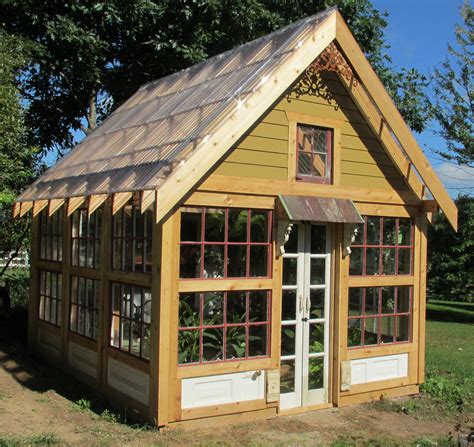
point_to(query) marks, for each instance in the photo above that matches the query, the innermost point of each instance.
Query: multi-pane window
(225, 243)
(85, 236)
(130, 323)
(50, 297)
(51, 236)
(379, 315)
(132, 236)
(383, 246)
(84, 310)
(223, 326)
(314, 153)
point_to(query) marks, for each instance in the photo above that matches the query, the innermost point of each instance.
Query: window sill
(355, 353)
(214, 368)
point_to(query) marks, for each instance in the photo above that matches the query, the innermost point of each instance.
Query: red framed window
(132, 239)
(379, 315)
(84, 309)
(225, 243)
(130, 319)
(85, 236)
(50, 297)
(51, 235)
(223, 326)
(383, 246)
(314, 153)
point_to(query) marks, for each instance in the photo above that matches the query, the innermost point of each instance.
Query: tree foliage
(89, 56)
(451, 255)
(454, 93)
(17, 158)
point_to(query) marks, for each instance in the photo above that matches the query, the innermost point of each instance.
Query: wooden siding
(263, 153)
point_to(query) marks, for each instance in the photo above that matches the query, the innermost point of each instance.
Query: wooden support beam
(25, 207)
(54, 205)
(394, 119)
(147, 198)
(74, 203)
(430, 206)
(119, 199)
(16, 210)
(38, 206)
(95, 201)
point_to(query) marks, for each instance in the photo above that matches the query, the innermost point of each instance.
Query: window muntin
(50, 297)
(379, 315)
(51, 235)
(130, 319)
(84, 309)
(314, 153)
(132, 239)
(383, 246)
(223, 326)
(85, 238)
(225, 243)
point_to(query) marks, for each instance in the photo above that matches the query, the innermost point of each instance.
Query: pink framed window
(86, 238)
(84, 308)
(225, 243)
(51, 235)
(383, 246)
(223, 326)
(379, 315)
(50, 297)
(314, 153)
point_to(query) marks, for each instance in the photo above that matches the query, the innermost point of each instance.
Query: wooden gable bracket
(147, 198)
(54, 205)
(95, 201)
(38, 206)
(16, 209)
(388, 110)
(24, 208)
(119, 199)
(74, 203)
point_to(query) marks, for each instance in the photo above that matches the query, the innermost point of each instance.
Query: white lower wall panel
(379, 368)
(49, 342)
(222, 389)
(128, 380)
(82, 359)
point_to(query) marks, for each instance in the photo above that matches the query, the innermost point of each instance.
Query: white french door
(305, 316)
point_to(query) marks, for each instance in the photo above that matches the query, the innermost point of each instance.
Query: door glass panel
(289, 271)
(316, 373)
(288, 305)
(317, 271)
(287, 376)
(318, 239)
(292, 245)
(316, 338)
(371, 331)
(288, 340)
(316, 309)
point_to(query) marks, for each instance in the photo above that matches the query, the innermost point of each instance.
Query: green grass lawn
(450, 311)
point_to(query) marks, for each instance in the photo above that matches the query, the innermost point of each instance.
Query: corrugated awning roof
(318, 209)
(152, 134)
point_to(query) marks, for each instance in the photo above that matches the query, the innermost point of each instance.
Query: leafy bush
(18, 282)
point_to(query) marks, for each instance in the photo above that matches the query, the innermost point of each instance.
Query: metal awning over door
(318, 209)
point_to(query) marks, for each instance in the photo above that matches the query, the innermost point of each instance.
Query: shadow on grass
(40, 377)
(452, 312)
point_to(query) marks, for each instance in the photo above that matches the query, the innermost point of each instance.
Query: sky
(418, 33)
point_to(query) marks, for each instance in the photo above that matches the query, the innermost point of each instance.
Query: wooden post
(66, 261)
(422, 302)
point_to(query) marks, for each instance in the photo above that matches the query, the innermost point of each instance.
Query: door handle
(308, 304)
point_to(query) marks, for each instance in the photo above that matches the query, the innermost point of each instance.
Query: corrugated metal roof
(153, 133)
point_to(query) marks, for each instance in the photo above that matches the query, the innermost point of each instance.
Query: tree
(453, 108)
(451, 255)
(17, 157)
(92, 55)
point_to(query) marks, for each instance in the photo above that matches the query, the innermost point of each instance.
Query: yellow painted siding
(264, 152)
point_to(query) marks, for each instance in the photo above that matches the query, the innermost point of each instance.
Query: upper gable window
(314, 153)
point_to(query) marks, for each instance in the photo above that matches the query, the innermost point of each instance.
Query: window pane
(359, 234)
(235, 342)
(287, 376)
(354, 332)
(238, 221)
(189, 305)
(136, 338)
(318, 239)
(304, 163)
(146, 341)
(389, 231)
(259, 226)
(404, 261)
(373, 261)
(213, 308)
(237, 261)
(288, 333)
(319, 166)
(258, 340)
(315, 373)
(258, 306)
(258, 260)
(317, 271)
(188, 346)
(189, 261)
(125, 327)
(236, 307)
(356, 261)
(403, 299)
(289, 271)
(371, 330)
(373, 230)
(316, 338)
(371, 300)
(387, 329)
(404, 231)
(288, 306)
(292, 245)
(388, 261)
(403, 329)
(355, 301)
(388, 300)
(316, 309)
(212, 344)
(215, 225)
